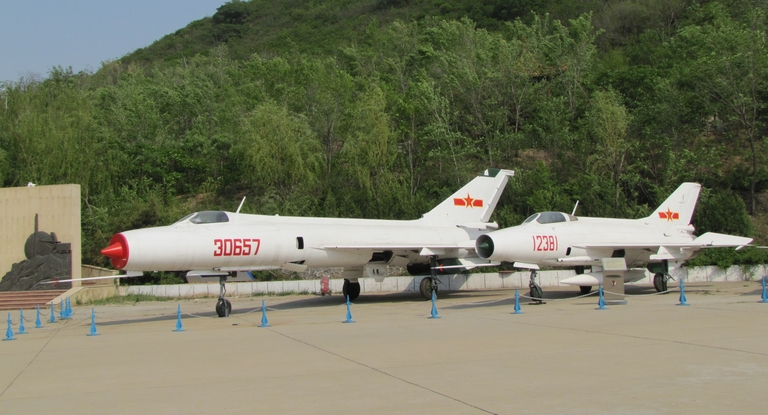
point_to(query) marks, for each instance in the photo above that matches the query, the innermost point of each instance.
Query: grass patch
(126, 299)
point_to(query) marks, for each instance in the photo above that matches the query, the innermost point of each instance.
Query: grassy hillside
(381, 109)
(318, 28)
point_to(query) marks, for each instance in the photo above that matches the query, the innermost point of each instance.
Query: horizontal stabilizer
(712, 239)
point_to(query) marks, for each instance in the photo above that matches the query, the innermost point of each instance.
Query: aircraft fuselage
(255, 241)
(578, 242)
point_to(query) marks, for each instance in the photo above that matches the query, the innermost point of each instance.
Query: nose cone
(117, 251)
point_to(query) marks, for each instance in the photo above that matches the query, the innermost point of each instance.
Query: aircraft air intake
(484, 246)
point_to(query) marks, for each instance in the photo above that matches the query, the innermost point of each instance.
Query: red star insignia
(469, 200)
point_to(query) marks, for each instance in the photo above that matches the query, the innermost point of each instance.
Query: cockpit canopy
(550, 217)
(206, 216)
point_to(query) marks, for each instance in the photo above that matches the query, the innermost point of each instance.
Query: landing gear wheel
(585, 289)
(223, 307)
(536, 292)
(351, 289)
(660, 282)
(426, 286)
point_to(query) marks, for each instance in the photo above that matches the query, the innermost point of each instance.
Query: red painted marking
(467, 202)
(545, 243)
(669, 215)
(236, 247)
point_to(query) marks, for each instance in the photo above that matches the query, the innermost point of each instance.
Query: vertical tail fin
(474, 202)
(678, 209)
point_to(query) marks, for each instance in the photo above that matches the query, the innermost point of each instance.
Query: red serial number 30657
(236, 247)
(544, 242)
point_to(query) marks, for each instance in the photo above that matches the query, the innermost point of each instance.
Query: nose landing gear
(223, 306)
(536, 292)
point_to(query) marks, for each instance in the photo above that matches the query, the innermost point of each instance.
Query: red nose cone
(117, 251)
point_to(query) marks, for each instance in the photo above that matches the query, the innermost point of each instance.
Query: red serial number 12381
(236, 247)
(545, 243)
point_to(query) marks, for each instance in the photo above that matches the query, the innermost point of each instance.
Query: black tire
(660, 282)
(585, 289)
(536, 292)
(351, 289)
(221, 307)
(425, 288)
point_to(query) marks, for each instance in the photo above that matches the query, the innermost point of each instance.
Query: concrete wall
(58, 209)
(457, 282)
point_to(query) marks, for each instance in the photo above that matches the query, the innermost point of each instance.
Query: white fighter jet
(556, 239)
(220, 243)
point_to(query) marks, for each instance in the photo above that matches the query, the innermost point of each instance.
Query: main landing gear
(660, 280)
(429, 284)
(223, 306)
(535, 293)
(351, 289)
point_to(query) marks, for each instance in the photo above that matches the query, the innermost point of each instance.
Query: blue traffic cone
(517, 302)
(434, 306)
(179, 326)
(69, 307)
(765, 293)
(93, 324)
(22, 329)
(264, 321)
(53, 314)
(9, 332)
(38, 324)
(349, 314)
(62, 310)
(682, 293)
(601, 301)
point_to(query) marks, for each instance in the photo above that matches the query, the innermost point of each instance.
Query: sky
(36, 35)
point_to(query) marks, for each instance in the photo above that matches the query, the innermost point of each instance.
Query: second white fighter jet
(554, 239)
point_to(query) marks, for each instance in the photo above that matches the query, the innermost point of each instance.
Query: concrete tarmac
(563, 357)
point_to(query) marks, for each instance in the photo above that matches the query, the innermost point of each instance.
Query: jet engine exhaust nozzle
(484, 246)
(117, 251)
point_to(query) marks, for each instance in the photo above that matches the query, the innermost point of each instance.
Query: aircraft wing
(708, 240)
(395, 247)
(673, 251)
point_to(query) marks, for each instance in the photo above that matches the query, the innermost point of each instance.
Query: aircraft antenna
(241, 205)
(574, 208)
